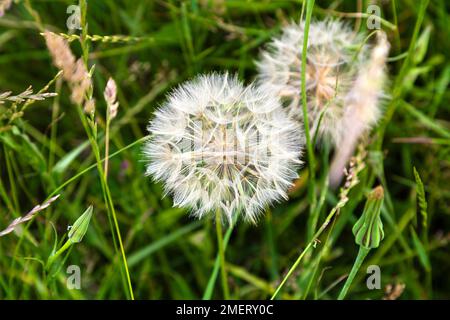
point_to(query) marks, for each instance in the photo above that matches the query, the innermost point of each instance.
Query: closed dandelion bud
(217, 145)
(368, 230)
(76, 234)
(79, 228)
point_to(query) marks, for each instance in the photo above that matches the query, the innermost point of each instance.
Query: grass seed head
(75, 72)
(110, 95)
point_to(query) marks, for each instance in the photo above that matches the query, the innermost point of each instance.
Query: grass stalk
(108, 199)
(108, 121)
(309, 145)
(302, 254)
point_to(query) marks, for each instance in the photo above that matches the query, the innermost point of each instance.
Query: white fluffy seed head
(334, 55)
(217, 145)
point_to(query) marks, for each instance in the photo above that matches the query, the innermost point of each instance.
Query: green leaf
(62, 165)
(422, 45)
(28, 151)
(143, 253)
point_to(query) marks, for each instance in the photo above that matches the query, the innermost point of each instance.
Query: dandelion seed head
(334, 56)
(217, 145)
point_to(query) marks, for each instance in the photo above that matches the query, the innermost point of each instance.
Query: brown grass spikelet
(75, 72)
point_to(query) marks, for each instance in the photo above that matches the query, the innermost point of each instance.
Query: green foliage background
(169, 254)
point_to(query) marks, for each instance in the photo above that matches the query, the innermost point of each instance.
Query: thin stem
(315, 263)
(93, 166)
(397, 33)
(291, 270)
(310, 244)
(309, 146)
(223, 271)
(358, 262)
(54, 126)
(309, 8)
(108, 120)
(53, 257)
(212, 279)
(358, 19)
(107, 197)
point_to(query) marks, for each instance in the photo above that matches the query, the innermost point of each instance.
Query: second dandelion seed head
(334, 56)
(217, 145)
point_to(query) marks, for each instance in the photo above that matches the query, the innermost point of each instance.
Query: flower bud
(80, 226)
(368, 230)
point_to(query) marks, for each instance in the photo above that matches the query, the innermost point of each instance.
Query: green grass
(48, 148)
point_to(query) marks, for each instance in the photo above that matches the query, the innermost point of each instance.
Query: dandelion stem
(358, 262)
(212, 279)
(223, 271)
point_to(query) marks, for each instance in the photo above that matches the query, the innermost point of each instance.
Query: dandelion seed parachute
(217, 145)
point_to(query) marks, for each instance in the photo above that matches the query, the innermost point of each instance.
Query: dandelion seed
(218, 145)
